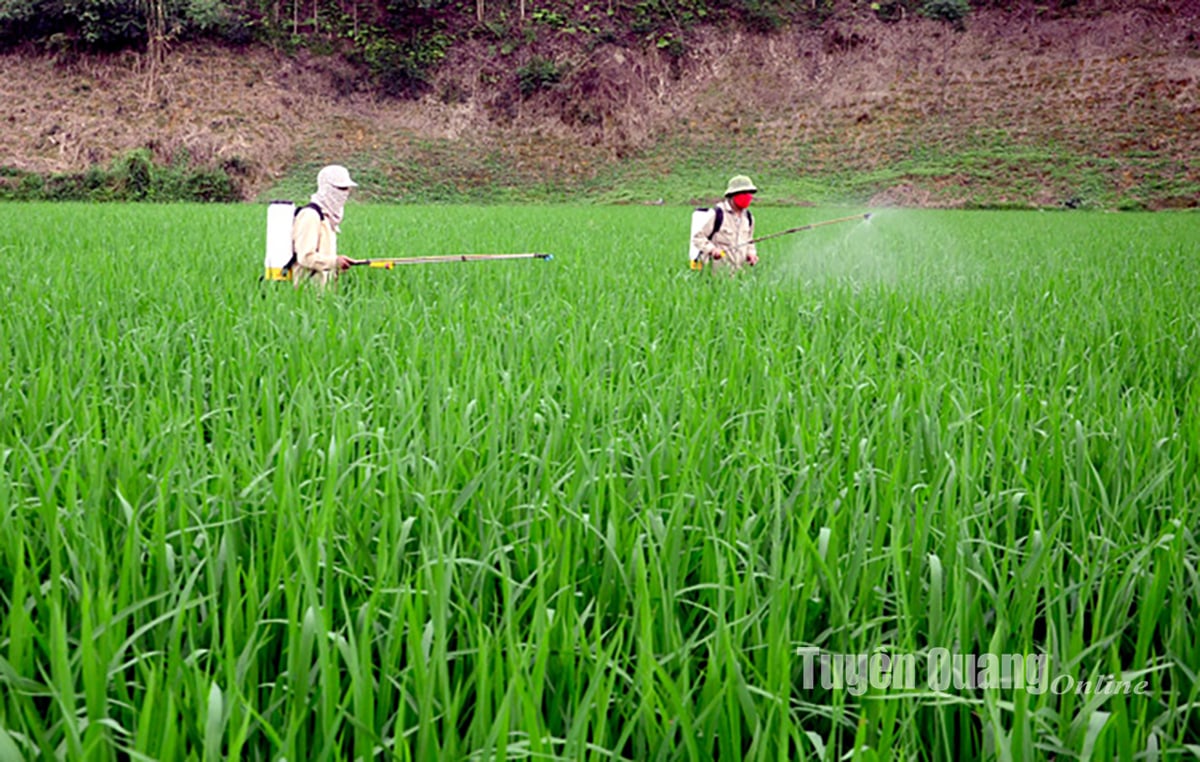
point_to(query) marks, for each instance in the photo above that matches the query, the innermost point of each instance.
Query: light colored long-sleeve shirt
(737, 229)
(315, 244)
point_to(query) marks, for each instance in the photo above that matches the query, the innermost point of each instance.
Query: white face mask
(330, 198)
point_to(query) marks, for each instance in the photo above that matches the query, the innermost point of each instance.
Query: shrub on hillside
(133, 177)
(538, 74)
(951, 11)
(210, 185)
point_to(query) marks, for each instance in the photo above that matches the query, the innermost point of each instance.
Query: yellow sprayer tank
(279, 239)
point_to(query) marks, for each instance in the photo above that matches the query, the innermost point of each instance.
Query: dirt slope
(1118, 92)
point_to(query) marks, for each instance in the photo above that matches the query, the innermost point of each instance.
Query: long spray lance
(809, 226)
(391, 262)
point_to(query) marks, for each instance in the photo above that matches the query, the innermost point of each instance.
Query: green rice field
(601, 507)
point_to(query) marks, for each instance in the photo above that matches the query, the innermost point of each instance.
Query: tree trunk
(156, 22)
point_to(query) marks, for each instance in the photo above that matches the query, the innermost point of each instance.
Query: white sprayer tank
(699, 217)
(279, 239)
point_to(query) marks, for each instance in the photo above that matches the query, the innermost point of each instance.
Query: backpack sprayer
(279, 255)
(279, 240)
(699, 217)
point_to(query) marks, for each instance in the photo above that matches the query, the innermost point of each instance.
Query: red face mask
(742, 200)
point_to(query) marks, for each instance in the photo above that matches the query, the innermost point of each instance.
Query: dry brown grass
(857, 87)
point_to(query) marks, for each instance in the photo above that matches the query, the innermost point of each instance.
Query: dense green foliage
(134, 177)
(952, 11)
(592, 508)
(398, 42)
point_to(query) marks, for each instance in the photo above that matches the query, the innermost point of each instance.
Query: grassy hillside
(1014, 109)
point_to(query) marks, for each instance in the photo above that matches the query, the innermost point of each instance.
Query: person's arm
(306, 237)
(702, 240)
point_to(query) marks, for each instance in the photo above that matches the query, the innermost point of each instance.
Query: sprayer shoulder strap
(311, 205)
(720, 218)
(317, 208)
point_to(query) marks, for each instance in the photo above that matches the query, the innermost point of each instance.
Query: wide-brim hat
(740, 184)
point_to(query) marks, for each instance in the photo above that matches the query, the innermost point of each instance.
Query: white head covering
(333, 188)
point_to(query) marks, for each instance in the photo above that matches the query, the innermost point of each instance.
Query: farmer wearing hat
(315, 228)
(724, 239)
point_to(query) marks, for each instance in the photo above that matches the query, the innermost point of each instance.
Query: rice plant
(601, 507)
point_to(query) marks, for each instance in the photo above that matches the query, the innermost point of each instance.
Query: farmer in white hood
(315, 228)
